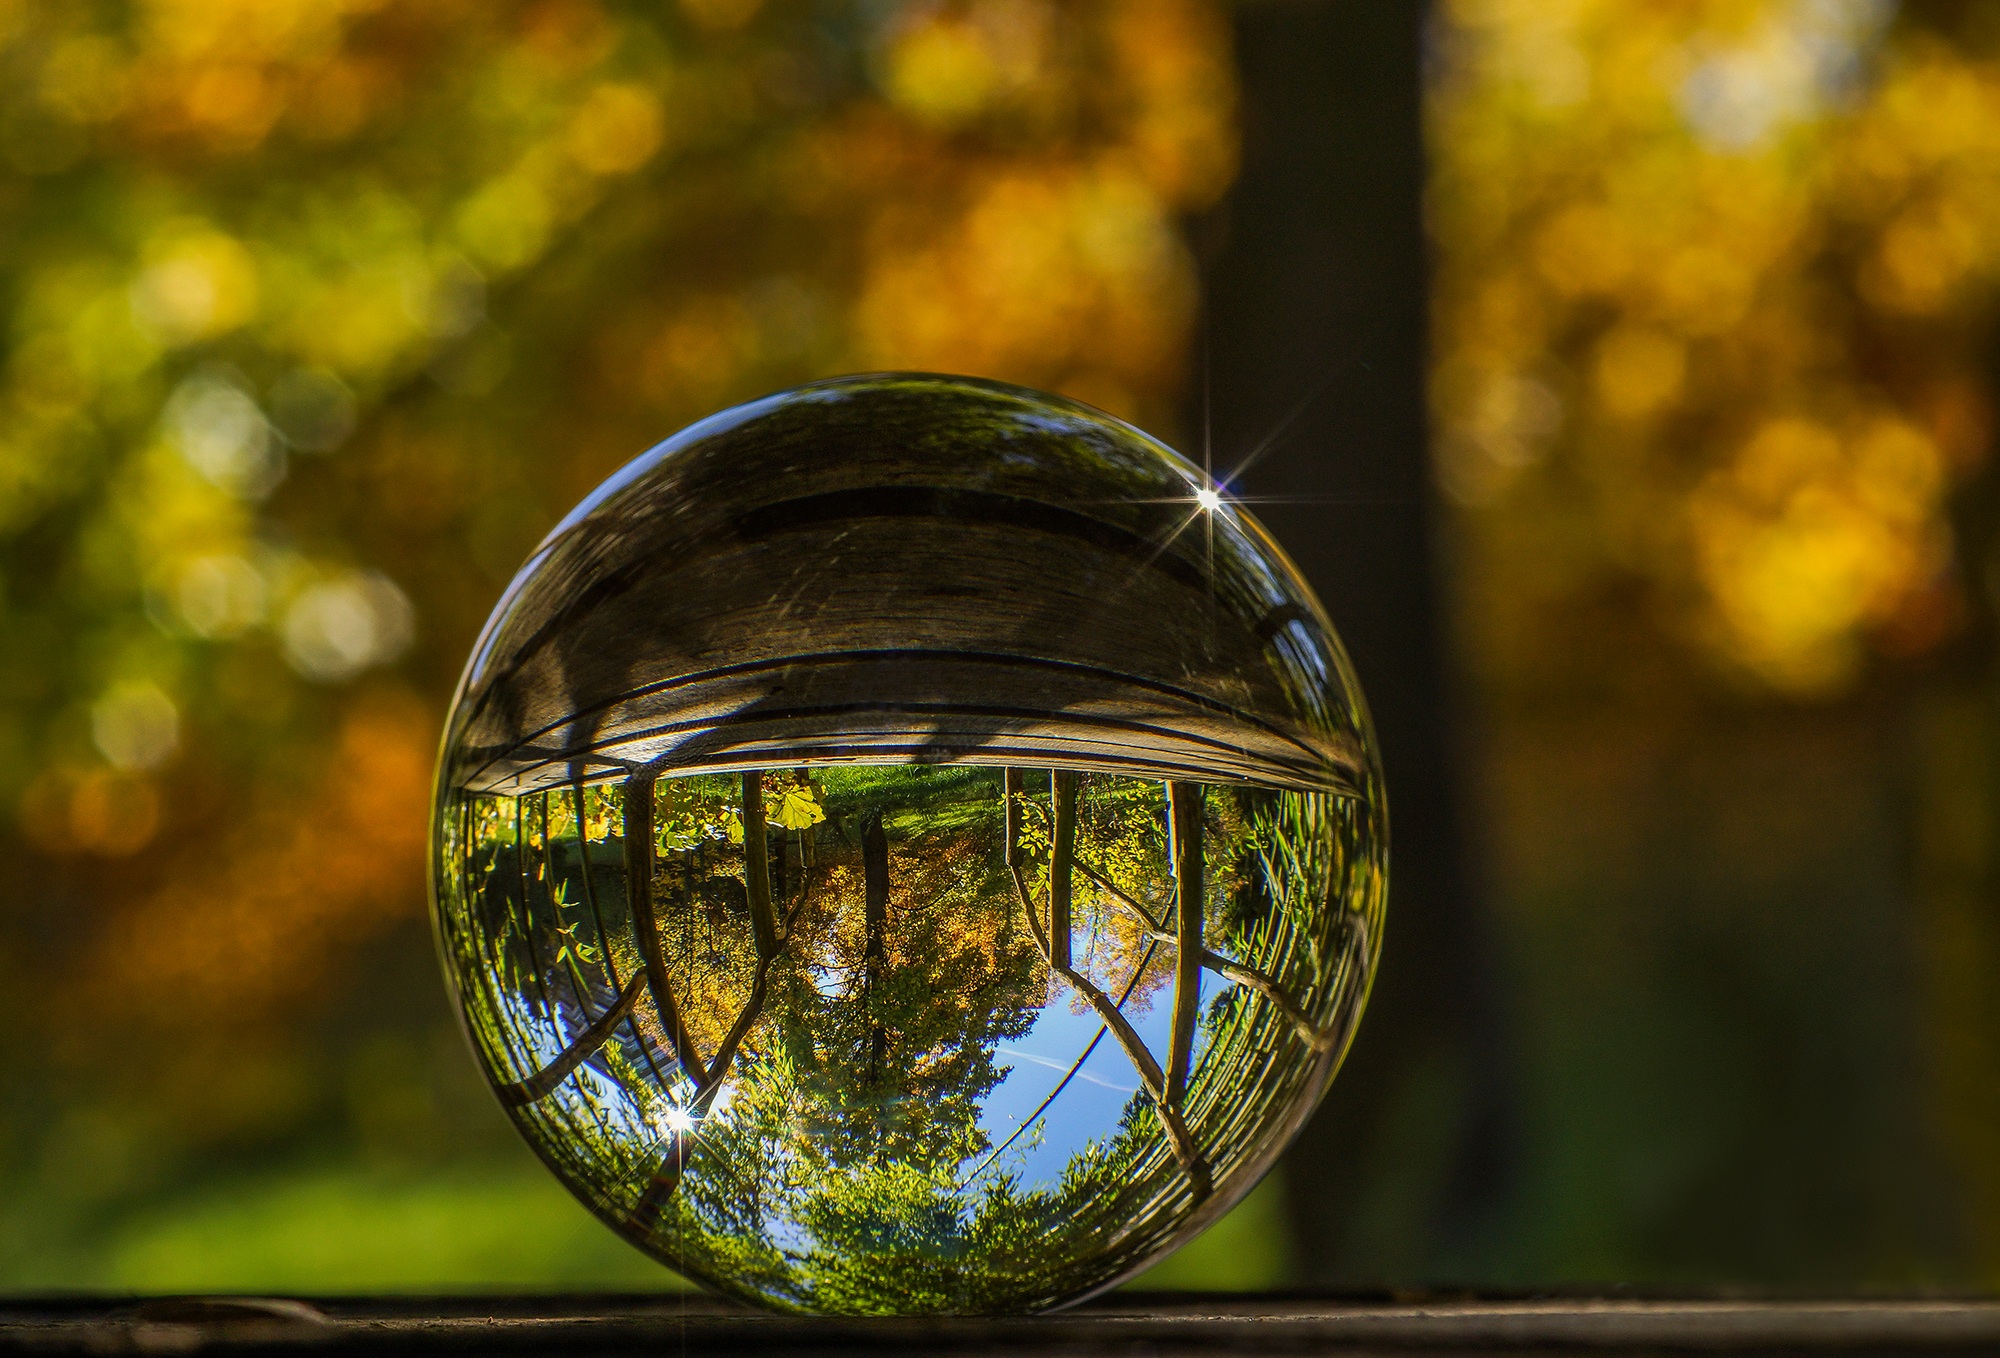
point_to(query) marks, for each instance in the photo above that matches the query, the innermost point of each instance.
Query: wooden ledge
(666, 1327)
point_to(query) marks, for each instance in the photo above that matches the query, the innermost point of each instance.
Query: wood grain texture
(1123, 1325)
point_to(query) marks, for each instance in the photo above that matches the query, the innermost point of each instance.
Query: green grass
(361, 1231)
(1247, 1251)
(491, 1227)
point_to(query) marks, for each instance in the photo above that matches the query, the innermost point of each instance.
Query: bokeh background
(1623, 371)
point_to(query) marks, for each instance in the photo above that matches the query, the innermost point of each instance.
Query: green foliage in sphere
(899, 849)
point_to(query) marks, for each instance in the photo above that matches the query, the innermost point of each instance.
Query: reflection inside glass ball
(885, 865)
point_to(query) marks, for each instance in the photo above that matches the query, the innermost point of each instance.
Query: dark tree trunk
(757, 867)
(1317, 284)
(875, 895)
(1184, 806)
(638, 833)
(1062, 852)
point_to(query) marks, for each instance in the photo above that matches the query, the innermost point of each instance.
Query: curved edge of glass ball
(1029, 549)
(1043, 584)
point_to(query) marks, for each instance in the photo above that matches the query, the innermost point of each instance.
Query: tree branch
(673, 1164)
(1316, 1037)
(603, 935)
(544, 1081)
(1113, 1018)
(639, 892)
(1175, 1126)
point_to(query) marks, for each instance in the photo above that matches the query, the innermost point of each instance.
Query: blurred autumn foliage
(1714, 387)
(317, 316)
(1716, 285)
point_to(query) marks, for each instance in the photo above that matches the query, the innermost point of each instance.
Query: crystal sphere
(909, 845)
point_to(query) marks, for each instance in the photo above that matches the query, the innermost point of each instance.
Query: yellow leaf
(797, 808)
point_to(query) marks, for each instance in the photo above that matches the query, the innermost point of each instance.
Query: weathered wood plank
(1123, 1325)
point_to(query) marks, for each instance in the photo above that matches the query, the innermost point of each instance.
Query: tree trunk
(1013, 787)
(757, 866)
(1062, 793)
(1179, 1138)
(660, 1191)
(604, 935)
(781, 887)
(645, 925)
(1320, 287)
(1184, 806)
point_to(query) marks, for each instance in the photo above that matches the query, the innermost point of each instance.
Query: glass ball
(909, 845)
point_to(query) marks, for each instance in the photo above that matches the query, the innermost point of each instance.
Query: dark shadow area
(1316, 353)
